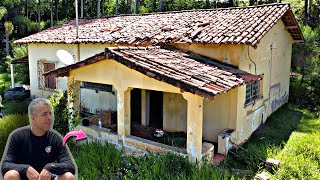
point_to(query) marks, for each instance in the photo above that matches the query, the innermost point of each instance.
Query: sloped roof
(192, 73)
(240, 25)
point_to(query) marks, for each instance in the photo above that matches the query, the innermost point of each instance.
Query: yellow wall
(250, 117)
(174, 112)
(225, 53)
(112, 72)
(218, 114)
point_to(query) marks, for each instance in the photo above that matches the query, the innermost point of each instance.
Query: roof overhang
(292, 26)
(193, 73)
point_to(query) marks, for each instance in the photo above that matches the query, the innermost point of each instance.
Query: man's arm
(65, 163)
(10, 156)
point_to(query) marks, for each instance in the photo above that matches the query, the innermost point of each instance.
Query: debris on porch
(108, 119)
(176, 139)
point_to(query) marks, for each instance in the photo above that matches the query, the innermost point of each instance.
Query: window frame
(253, 92)
(43, 80)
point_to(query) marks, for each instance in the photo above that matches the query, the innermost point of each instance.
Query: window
(50, 81)
(97, 86)
(46, 82)
(252, 92)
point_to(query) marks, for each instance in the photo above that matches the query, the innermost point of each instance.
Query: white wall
(99, 100)
(48, 52)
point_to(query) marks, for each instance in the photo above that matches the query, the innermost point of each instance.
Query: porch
(163, 89)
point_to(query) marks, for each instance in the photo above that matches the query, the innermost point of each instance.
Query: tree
(39, 6)
(117, 7)
(136, 6)
(129, 6)
(306, 11)
(161, 6)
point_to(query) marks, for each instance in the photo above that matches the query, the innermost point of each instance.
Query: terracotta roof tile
(215, 26)
(192, 73)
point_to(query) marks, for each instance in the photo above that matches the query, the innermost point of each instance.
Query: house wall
(48, 52)
(218, 114)
(174, 112)
(89, 50)
(274, 65)
(95, 101)
(112, 72)
(225, 53)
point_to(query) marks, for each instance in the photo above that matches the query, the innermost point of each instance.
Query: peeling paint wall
(174, 112)
(218, 115)
(46, 52)
(276, 80)
(94, 102)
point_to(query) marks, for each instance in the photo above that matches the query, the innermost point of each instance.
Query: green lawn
(291, 135)
(301, 154)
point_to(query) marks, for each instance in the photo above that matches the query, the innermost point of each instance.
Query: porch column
(143, 107)
(147, 107)
(194, 125)
(123, 111)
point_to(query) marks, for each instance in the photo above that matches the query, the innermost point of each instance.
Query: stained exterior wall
(218, 114)
(274, 66)
(95, 101)
(245, 119)
(47, 52)
(174, 112)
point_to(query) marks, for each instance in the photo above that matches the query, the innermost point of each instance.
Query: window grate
(97, 86)
(252, 92)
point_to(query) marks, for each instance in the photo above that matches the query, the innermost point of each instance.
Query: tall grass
(300, 157)
(97, 161)
(8, 124)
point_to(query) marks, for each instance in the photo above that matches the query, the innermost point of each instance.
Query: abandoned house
(181, 81)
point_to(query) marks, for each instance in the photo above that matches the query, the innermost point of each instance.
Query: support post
(194, 126)
(143, 107)
(12, 75)
(123, 112)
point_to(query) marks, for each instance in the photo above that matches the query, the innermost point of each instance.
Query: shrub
(8, 124)
(60, 106)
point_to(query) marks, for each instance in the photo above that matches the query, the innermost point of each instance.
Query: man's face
(42, 118)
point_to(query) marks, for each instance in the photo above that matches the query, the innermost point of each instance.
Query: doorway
(156, 109)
